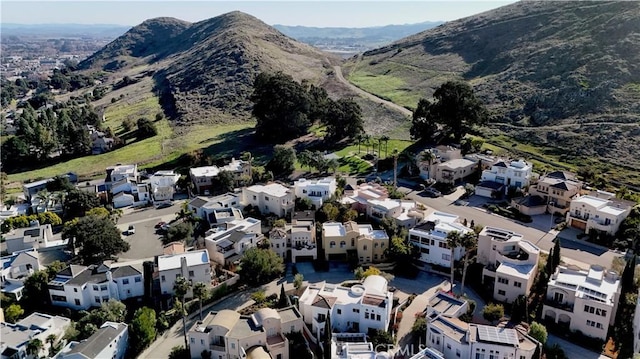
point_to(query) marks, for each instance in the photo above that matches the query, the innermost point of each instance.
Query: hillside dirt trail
(338, 71)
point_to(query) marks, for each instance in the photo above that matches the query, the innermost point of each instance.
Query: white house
(15, 269)
(451, 337)
(120, 172)
(226, 243)
(406, 213)
(193, 266)
(227, 334)
(316, 190)
(219, 209)
(513, 174)
(108, 342)
(602, 214)
(353, 309)
(510, 262)
(16, 337)
(33, 237)
(354, 345)
(431, 238)
(163, 185)
(128, 192)
(203, 177)
(271, 198)
(79, 287)
(583, 300)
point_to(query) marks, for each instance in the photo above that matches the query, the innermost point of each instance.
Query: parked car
(131, 230)
(163, 205)
(432, 192)
(160, 224)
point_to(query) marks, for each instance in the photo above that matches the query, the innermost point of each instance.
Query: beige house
(583, 300)
(296, 240)
(348, 240)
(511, 263)
(227, 334)
(557, 189)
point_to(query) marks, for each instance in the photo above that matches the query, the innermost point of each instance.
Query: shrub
(493, 312)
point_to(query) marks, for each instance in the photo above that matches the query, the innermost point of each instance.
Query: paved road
(574, 351)
(338, 71)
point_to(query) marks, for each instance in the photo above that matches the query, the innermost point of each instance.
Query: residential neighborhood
(265, 217)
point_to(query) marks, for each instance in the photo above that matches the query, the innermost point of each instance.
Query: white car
(131, 230)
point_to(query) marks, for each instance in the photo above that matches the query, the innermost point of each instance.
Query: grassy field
(385, 86)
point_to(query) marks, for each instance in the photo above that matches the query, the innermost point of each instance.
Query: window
(339, 311)
(75, 290)
(193, 340)
(191, 274)
(448, 346)
(442, 245)
(458, 353)
(375, 245)
(202, 341)
(266, 198)
(503, 280)
(332, 244)
(95, 287)
(356, 310)
(366, 315)
(589, 309)
(125, 281)
(233, 345)
(364, 248)
(254, 197)
(58, 298)
(162, 278)
(353, 242)
(77, 301)
(501, 292)
(105, 299)
(446, 257)
(517, 284)
(97, 299)
(343, 244)
(103, 288)
(178, 275)
(378, 317)
(558, 297)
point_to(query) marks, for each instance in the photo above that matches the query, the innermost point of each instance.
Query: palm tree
(185, 214)
(116, 214)
(51, 339)
(367, 142)
(453, 242)
(201, 292)
(34, 346)
(428, 156)
(180, 289)
(246, 156)
(385, 139)
(359, 139)
(43, 196)
(468, 241)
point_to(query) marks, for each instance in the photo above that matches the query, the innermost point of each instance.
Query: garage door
(578, 224)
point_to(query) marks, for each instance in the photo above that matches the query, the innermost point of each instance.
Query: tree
(281, 107)
(206, 354)
(493, 312)
(424, 124)
(13, 312)
(454, 240)
(180, 232)
(36, 291)
(283, 299)
(468, 241)
(555, 258)
(51, 340)
(146, 128)
(330, 211)
(538, 332)
(297, 281)
(283, 161)
(34, 346)
(143, 329)
(455, 108)
(420, 327)
(259, 266)
(97, 239)
(179, 352)
(224, 182)
(344, 119)
(326, 337)
(180, 288)
(78, 202)
(201, 292)
(395, 154)
(519, 309)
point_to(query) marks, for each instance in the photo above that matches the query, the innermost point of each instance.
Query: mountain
(337, 39)
(556, 73)
(205, 70)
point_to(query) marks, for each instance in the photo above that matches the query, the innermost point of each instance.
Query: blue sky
(301, 12)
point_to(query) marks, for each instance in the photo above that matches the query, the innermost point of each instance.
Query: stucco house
(584, 301)
(596, 212)
(354, 241)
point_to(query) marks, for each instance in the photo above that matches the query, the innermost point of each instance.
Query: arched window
(343, 244)
(332, 244)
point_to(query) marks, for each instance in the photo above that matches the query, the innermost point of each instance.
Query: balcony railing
(217, 348)
(559, 305)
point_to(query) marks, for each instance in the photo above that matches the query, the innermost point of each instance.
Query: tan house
(557, 190)
(227, 334)
(349, 240)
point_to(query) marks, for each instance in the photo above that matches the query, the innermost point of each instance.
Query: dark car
(163, 205)
(432, 192)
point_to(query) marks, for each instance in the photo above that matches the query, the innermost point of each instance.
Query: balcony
(559, 305)
(218, 347)
(600, 225)
(276, 341)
